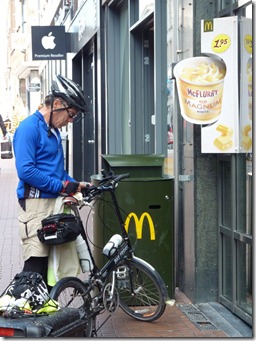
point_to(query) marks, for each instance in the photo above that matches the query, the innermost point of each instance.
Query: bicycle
(125, 280)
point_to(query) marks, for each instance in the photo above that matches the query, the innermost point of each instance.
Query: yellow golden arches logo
(139, 224)
(208, 25)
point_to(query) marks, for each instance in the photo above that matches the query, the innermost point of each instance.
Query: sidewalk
(10, 256)
(174, 323)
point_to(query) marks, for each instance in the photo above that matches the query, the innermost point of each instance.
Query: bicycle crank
(110, 298)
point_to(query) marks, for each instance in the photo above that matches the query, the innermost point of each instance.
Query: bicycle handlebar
(108, 183)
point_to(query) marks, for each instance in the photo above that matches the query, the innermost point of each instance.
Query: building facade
(123, 53)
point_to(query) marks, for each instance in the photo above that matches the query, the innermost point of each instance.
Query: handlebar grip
(106, 184)
(115, 178)
(120, 177)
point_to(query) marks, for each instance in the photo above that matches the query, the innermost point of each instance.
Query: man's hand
(70, 188)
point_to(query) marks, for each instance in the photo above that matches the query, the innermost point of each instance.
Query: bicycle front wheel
(71, 292)
(142, 292)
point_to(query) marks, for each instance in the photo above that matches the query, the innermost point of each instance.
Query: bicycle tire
(148, 302)
(71, 292)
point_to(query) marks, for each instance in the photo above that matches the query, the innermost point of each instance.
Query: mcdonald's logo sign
(139, 223)
(208, 25)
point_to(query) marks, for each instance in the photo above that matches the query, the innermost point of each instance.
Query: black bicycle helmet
(70, 92)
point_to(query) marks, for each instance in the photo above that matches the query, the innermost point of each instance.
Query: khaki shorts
(30, 222)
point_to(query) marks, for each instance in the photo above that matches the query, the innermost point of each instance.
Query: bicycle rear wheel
(71, 292)
(141, 289)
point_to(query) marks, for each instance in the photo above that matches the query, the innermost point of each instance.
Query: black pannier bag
(59, 229)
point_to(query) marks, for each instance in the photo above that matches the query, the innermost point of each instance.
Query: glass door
(235, 233)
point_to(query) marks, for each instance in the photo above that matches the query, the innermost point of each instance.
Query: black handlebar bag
(6, 150)
(59, 229)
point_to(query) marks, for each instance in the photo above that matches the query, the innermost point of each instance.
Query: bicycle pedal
(121, 273)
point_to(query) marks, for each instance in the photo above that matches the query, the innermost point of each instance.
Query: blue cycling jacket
(39, 159)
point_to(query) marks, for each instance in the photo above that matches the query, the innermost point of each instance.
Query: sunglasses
(70, 114)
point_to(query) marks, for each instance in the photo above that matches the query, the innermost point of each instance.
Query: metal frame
(236, 237)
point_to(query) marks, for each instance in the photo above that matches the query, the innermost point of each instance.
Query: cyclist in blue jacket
(40, 166)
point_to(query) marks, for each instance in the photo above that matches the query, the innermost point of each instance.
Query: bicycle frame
(124, 250)
(115, 259)
(125, 280)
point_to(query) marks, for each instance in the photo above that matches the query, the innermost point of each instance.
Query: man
(40, 167)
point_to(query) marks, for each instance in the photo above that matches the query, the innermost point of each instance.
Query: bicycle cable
(110, 204)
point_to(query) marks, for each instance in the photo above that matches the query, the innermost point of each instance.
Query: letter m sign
(139, 223)
(208, 25)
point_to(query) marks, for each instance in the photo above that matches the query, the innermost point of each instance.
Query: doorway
(142, 104)
(84, 129)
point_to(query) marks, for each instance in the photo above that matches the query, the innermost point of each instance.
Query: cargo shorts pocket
(28, 225)
(31, 219)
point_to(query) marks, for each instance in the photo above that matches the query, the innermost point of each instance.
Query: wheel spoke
(146, 302)
(72, 293)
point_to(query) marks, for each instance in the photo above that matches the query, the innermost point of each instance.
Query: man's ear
(56, 102)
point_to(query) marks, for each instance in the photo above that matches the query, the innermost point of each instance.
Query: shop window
(226, 216)
(244, 277)
(224, 4)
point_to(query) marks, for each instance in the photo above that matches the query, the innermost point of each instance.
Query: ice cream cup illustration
(200, 82)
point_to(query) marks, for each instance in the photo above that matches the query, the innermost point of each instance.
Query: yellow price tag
(248, 43)
(221, 43)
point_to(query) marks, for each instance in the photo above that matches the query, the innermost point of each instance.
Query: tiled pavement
(174, 323)
(10, 256)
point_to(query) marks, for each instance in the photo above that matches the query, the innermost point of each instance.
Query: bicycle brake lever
(104, 173)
